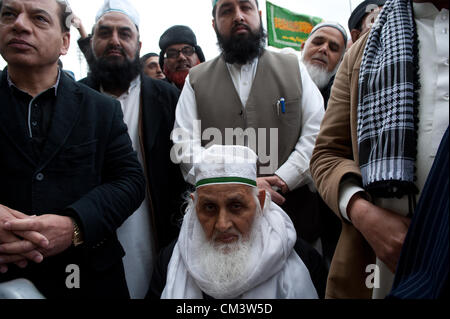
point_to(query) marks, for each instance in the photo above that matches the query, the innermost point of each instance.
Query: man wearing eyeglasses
(179, 53)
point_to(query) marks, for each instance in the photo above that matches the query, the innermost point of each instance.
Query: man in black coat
(149, 111)
(70, 176)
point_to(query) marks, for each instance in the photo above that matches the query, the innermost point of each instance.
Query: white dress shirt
(135, 233)
(432, 27)
(295, 171)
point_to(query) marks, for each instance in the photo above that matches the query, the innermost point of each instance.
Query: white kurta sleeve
(186, 134)
(295, 171)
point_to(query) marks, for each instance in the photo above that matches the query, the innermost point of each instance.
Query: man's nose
(223, 222)
(324, 49)
(238, 16)
(21, 23)
(181, 56)
(115, 40)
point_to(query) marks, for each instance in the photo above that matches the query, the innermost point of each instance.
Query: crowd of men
(255, 174)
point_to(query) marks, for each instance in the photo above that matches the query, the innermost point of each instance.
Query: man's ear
(262, 197)
(302, 46)
(355, 34)
(214, 24)
(192, 196)
(65, 43)
(139, 47)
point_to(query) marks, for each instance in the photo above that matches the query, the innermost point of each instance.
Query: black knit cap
(175, 35)
(360, 11)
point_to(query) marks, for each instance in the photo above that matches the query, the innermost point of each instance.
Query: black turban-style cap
(175, 35)
(360, 11)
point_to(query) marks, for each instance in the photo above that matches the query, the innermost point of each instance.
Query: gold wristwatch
(77, 236)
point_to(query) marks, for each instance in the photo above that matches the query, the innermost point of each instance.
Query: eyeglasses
(174, 53)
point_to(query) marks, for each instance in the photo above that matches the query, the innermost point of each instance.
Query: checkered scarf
(388, 103)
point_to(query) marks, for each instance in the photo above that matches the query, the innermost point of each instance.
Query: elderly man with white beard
(234, 241)
(322, 54)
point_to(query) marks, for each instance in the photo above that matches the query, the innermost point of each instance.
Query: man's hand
(384, 230)
(76, 22)
(267, 183)
(26, 242)
(57, 229)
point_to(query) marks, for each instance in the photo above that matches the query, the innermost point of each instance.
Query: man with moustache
(322, 54)
(149, 107)
(70, 176)
(249, 87)
(179, 53)
(234, 241)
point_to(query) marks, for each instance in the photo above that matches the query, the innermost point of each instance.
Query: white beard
(319, 75)
(226, 266)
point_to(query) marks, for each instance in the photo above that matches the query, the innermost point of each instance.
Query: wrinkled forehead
(152, 59)
(227, 2)
(50, 6)
(116, 20)
(329, 33)
(178, 46)
(224, 192)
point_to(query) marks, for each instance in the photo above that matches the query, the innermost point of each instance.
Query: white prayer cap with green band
(226, 164)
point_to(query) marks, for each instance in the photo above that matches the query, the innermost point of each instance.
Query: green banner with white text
(286, 28)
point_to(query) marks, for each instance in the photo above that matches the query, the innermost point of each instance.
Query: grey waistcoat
(261, 124)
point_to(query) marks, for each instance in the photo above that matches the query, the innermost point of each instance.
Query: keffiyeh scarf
(388, 103)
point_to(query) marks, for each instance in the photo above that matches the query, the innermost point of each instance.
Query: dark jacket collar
(152, 106)
(66, 112)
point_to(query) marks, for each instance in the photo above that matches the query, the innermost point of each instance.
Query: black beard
(242, 49)
(112, 75)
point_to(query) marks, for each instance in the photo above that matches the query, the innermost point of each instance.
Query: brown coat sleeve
(336, 156)
(336, 151)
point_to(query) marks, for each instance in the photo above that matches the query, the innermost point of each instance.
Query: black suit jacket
(87, 170)
(164, 179)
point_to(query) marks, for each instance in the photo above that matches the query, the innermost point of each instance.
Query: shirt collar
(248, 64)
(55, 86)
(425, 10)
(136, 82)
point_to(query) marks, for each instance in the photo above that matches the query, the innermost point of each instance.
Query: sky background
(158, 16)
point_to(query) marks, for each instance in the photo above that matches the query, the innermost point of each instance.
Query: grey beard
(320, 76)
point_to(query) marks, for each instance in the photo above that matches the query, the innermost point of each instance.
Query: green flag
(286, 28)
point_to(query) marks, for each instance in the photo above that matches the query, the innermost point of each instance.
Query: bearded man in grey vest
(257, 98)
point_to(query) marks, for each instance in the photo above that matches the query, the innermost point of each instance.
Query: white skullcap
(226, 164)
(122, 6)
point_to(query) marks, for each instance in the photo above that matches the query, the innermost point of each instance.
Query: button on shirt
(36, 112)
(242, 77)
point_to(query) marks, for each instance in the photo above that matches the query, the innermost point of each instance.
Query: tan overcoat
(335, 156)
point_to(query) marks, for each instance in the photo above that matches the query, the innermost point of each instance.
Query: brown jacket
(335, 156)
